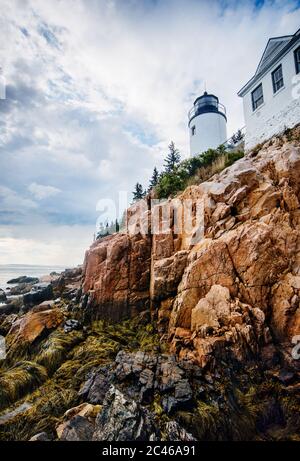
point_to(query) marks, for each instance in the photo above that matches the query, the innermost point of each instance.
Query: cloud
(41, 192)
(13, 202)
(44, 244)
(96, 92)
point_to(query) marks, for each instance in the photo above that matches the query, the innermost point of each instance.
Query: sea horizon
(11, 271)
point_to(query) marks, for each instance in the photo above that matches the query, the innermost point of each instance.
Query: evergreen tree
(173, 158)
(138, 192)
(154, 179)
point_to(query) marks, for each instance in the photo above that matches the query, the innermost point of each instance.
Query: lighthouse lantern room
(207, 124)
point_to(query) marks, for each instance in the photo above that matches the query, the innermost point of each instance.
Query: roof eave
(256, 76)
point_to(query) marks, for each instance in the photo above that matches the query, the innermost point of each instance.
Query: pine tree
(173, 158)
(154, 179)
(138, 192)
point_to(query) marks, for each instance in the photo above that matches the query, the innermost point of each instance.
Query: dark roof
(206, 95)
(275, 49)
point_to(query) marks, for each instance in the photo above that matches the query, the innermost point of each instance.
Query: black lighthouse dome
(205, 104)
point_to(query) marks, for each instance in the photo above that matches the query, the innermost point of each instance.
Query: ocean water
(12, 271)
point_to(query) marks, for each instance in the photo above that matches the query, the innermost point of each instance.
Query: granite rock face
(117, 276)
(234, 283)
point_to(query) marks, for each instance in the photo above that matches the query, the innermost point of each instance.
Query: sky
(95, 92)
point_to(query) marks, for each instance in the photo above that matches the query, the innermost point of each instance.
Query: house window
(257, 97)
(277, 79)
(297, 59)
(193, 130)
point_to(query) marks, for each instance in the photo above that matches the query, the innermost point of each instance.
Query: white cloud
(96, 91)
(41, 192)
(44, 244)
(11, 201)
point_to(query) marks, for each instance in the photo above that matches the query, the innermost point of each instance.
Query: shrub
(195, 170)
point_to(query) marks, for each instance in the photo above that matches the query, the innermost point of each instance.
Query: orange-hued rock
(213, 309)
(30, 326)
(117, 275)
(229, 281)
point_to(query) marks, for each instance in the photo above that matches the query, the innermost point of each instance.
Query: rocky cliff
(185, 327)
(233, 291)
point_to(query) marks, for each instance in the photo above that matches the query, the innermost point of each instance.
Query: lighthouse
(207, 124)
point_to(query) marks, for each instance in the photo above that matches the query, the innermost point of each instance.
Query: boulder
(78, 424)
(123, 419)
(78, 429)
(10, 308)
(20, 289)
(39, 293)
(2, 296)
(23, 279)
(44, 306)
(30, 326)
(41, 437)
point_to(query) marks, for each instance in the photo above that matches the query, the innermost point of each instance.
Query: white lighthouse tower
(207, 124)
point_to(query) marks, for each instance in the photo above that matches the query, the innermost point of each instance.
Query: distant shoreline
(12, 271)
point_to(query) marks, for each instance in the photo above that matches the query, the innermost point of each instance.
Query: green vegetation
(178, 175)
(56, 368)
(173, 159)
(154, 180)
(55, 348)
(107, 229)
(138, 192)
(19, 380)
(195, 170)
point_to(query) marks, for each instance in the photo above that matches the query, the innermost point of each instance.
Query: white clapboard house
(271, 98)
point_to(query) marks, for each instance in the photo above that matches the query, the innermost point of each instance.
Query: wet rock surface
(71, 325)
(2, 296)
(23, 280)
(39, 293)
